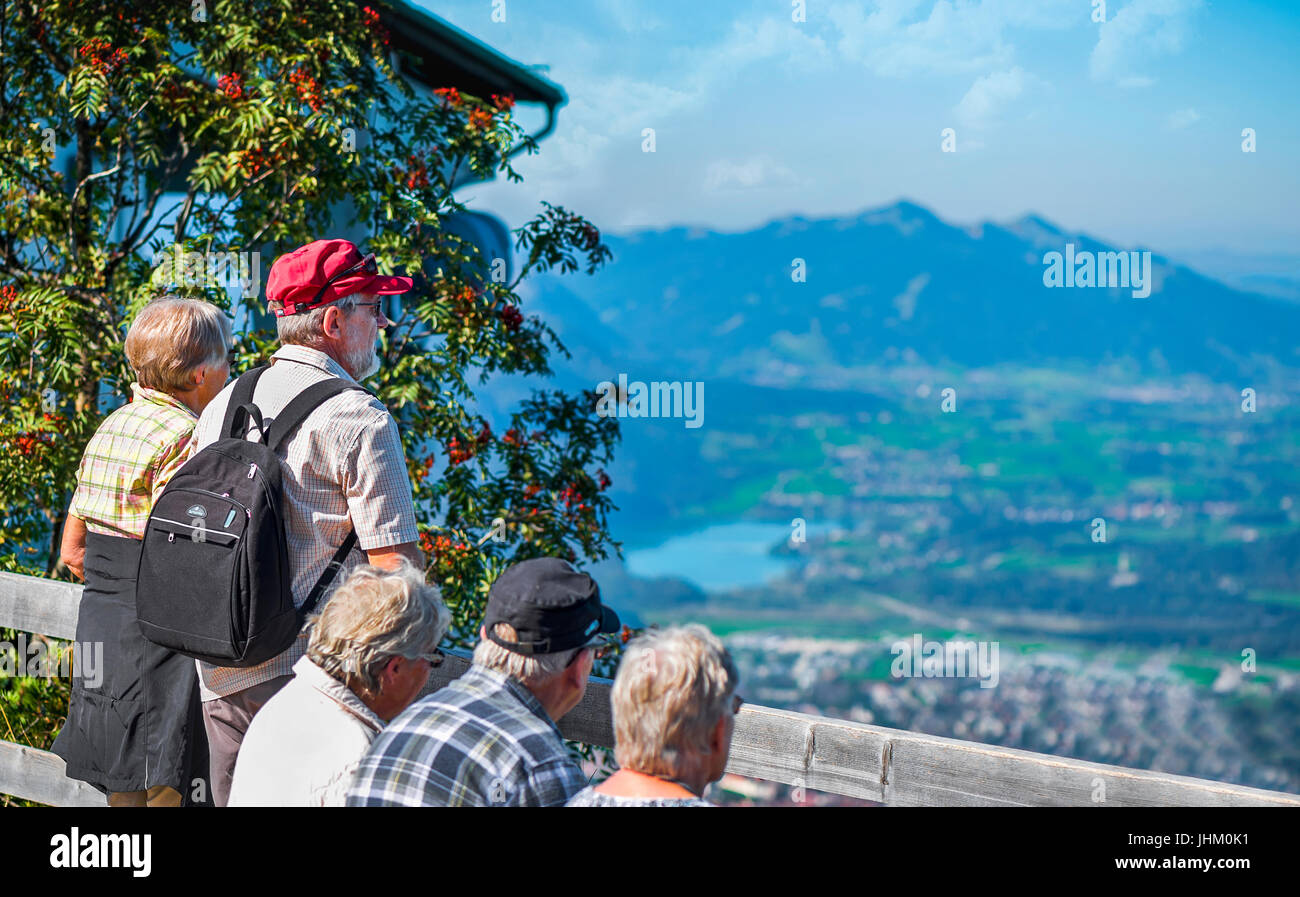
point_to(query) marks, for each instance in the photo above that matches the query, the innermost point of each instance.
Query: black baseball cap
(551, 606)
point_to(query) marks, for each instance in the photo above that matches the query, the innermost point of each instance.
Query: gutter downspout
(546, 129)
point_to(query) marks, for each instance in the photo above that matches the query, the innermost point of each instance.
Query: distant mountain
(695, 302)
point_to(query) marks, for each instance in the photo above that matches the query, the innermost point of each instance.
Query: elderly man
(675, 706)
(489, 738)
(345, 478)
(370, 654)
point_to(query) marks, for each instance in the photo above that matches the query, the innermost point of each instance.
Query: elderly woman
(136, 732)
(675, 706)
(370, 653)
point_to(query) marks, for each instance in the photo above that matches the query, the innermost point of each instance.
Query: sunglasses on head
(367, 265)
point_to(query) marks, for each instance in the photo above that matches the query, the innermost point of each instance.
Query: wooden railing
(890, 766)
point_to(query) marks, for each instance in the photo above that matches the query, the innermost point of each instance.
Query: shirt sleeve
(169, 460)
(378, 486)
(552, 784)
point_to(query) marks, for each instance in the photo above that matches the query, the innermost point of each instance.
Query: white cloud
(1138, 33)
(1183, 118)
(898, 38)
(756, 172)
(986, 97)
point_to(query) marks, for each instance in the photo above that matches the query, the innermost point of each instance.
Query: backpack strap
(330, 571)
(240, 396)
(285, 423)
(304, 404)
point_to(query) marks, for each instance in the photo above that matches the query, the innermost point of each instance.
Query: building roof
(441, 55)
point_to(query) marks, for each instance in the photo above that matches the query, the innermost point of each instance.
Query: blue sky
(1129, 130)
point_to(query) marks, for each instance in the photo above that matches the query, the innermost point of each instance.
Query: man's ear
(577, 667)
(331, 324)
(392, 668)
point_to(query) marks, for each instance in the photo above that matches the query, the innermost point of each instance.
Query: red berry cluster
(450, 95)
(8, 298)
(458, 453)
(503, 103)
(100, 55)
(232, 85)
(464, 301)
(423, 471)
(443, 549)
(480, 119)
(307, 88)
(255, 159)
(369, 17)
(626, 634)
(590, 236)
(572, 495)
(417, 173)
(511, 317)
(512, 437)
(30, 441)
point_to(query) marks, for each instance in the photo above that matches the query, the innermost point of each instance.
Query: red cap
(300, 279)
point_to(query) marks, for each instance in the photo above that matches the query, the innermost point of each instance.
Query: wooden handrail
(891, 766)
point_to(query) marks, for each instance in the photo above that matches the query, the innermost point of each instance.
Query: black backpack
(214, 580)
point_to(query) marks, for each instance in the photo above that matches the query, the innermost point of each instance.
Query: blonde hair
(172, 337)
(672, 687)
(305, 329)
(532, 669)
(374, 616)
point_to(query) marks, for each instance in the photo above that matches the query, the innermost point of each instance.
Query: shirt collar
(516, 688)
(310, 674)
(314, 357)
(158, 397)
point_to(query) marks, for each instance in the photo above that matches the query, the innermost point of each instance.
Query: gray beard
(363, 363)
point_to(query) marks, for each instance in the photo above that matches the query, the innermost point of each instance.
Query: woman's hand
(72, 553)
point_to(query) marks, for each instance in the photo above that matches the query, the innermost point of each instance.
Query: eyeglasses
(375, 305)
(367, 265)
(435, 659)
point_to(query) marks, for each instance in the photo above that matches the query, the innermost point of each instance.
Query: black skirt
(136, 722)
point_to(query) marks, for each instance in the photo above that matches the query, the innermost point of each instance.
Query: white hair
(306, 329)
(531, 670)
(374, 616)
(672, 687)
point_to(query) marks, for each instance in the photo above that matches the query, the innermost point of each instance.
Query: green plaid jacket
(131, 457)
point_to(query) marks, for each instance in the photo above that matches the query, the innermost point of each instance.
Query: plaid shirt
(129, 460)
(483, 740)
(343, 467)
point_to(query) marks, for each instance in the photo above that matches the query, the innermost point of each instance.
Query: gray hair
(172, 337)
(532, 670)
(374, 616)
(305, 329)
(672, 687)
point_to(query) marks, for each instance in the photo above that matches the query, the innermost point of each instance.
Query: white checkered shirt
(343, 467)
